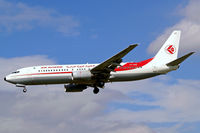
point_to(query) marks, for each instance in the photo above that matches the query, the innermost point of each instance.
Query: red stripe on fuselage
(133, 65)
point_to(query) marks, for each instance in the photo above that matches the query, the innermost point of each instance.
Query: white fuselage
(64, 74)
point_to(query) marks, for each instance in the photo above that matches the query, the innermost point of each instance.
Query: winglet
(179, 60)
(133, 45)
(130, 47)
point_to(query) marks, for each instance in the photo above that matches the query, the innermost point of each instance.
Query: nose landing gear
(23, 86)
(24, 90)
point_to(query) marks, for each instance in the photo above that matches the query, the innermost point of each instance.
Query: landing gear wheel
(96, 90)
(24, 90)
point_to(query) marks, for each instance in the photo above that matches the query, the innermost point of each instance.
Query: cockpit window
(16, 72)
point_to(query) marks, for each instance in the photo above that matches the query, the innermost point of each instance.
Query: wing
(110, 64)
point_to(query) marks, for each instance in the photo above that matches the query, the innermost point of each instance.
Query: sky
(69, 32)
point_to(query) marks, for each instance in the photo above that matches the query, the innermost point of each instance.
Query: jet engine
(82, 75)
(75, 88)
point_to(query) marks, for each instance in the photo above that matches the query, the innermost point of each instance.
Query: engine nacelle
(82, 75)
(75, 88)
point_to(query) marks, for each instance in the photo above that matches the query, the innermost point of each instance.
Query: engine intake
(75, 88)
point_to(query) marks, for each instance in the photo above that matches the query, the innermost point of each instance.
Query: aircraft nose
(10, 79)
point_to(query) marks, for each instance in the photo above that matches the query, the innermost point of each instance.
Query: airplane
(79, 77)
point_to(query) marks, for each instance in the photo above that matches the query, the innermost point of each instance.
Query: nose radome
(10, 80)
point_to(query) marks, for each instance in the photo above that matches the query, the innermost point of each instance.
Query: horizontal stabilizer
(179, 60)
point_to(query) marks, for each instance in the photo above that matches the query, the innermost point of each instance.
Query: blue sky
(106, 24)
(69, 32)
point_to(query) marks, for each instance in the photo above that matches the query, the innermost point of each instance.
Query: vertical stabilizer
(169, 50)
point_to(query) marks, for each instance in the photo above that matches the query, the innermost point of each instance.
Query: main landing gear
(96, 85)
(96, 90)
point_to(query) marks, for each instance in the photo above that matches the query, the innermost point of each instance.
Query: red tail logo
(170, 49)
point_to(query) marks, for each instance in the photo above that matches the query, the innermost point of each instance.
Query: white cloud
(190, 27)
(175, 102)
(50, 109)
(133, 129)
(19, 16)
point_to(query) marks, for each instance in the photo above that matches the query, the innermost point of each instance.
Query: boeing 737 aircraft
(81, 76)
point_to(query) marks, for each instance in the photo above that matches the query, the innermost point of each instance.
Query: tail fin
(169, 51)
